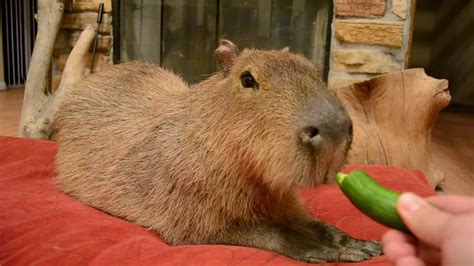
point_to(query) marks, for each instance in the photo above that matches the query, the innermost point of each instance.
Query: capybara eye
(248, 81)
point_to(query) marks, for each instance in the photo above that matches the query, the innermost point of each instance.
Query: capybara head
(281, 119)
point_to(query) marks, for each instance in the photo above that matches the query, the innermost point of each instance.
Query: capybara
(217, 163)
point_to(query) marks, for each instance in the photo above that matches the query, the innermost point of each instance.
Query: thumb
(423, 219)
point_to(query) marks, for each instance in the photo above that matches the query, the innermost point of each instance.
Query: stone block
(370, 32)
(104, 44)
(55, 82)
(79, 21)
(399, 8)
(91, 5)
(335, 83)
(360, 8)
(363, 61)
(101, 61)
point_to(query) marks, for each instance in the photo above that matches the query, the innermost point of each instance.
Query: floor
(452, 138)
(453, 151)
(10, 109)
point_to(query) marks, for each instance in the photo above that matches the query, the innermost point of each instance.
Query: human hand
(443, 235)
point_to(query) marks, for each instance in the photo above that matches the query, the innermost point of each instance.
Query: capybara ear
(225, 55)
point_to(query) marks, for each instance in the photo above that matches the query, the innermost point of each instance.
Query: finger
(428, 254)
(453, 204)
(409, 261)
(425, 221)
(396, 250)
(397, 244)
(397, 236)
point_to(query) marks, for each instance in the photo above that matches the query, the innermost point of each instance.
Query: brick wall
(77, 15)
(369, 37)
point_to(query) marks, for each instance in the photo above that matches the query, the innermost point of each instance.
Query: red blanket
(42, 226)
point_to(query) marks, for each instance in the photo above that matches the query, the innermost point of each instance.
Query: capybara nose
(315, 136)
(310, 136)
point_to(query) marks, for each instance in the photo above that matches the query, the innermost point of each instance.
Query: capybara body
(212, 164)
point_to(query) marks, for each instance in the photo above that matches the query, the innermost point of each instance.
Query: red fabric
(42, 226)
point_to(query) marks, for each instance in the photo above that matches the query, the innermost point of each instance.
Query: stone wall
(369, 37)
(77, 15)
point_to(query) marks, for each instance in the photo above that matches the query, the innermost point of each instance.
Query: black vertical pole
(99, 20)
(116, 9)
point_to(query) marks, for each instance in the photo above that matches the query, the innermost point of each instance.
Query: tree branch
(42, 126)
(49, 17)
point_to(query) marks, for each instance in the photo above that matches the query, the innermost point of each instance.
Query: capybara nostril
(309, 135)
(350, 135)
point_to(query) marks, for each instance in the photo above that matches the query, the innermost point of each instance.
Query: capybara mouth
(324, 164)
(336, 162)
(332, 170)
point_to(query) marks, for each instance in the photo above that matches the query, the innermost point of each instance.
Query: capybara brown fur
(214, 164)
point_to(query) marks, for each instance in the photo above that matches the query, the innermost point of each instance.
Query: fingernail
(409, 202)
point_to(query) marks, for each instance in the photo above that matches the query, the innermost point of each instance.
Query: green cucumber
(371, 198)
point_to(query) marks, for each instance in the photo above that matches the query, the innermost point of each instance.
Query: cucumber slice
(371, 198)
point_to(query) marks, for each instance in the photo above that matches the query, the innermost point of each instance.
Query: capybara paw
(371, 247)
(353, 255)
(334, 255)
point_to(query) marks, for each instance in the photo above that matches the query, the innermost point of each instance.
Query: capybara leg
(321, 230)
(290, 243)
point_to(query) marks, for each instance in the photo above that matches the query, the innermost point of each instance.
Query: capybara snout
(325, 122)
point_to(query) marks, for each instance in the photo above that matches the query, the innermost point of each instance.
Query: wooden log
(393, 116)
(49, 17)
(75, 67)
